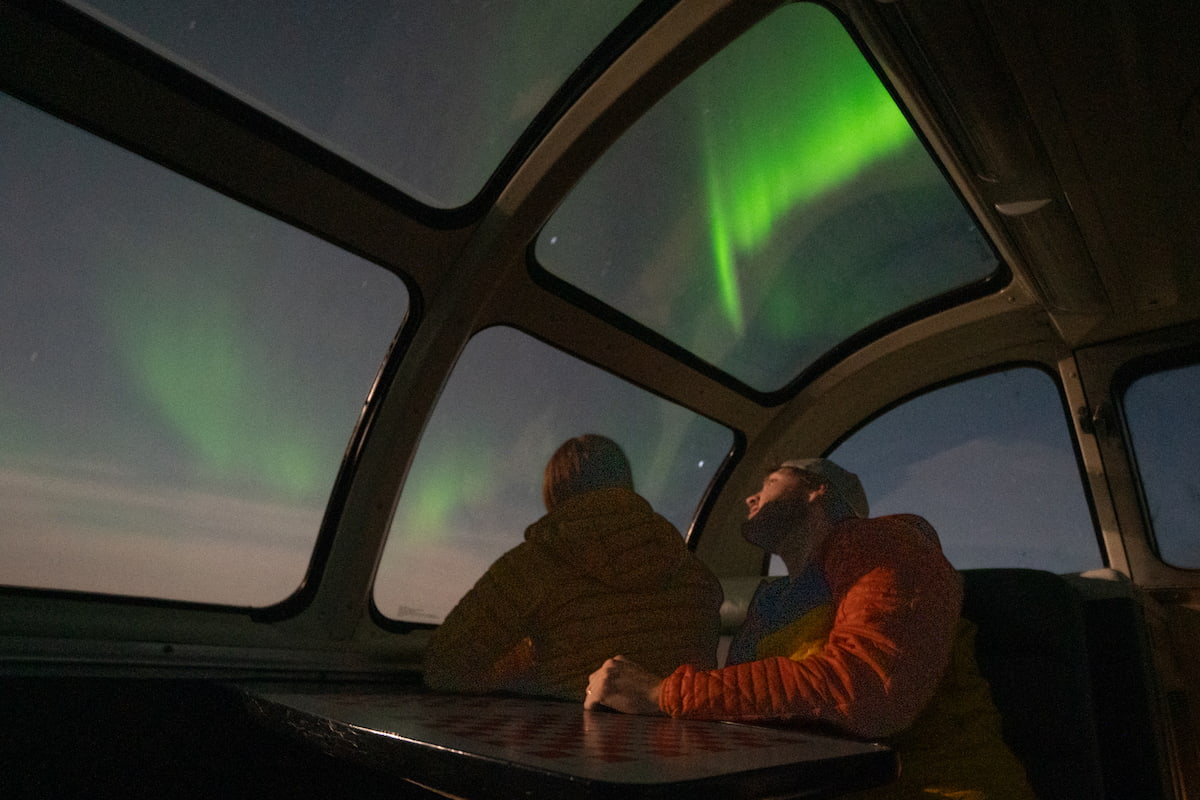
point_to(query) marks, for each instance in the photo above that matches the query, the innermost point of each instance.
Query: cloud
(998, 503)
(99, 534)
(423, 580)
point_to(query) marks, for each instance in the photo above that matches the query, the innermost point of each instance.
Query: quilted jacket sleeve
(484, 644)
(898, 602)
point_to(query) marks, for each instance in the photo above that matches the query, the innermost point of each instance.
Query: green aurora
(791, 127)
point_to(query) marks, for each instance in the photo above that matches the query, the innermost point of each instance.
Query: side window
(475, 483)
(179, 376)
(990, 463)
(1160, 411)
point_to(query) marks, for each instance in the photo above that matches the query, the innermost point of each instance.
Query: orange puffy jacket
(897, 602)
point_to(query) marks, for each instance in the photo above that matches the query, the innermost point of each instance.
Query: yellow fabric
(802, 638)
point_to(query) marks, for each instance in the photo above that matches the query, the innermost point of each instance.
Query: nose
(752, 502)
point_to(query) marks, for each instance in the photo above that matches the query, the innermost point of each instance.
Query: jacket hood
(613, 536)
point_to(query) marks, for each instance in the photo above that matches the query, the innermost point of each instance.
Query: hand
(622, 685)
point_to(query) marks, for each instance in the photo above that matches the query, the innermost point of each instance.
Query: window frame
(1123, 380)
(716, 480)
(1105, 371)
(1056, 379)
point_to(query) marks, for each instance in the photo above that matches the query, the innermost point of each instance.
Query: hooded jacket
(601, 575)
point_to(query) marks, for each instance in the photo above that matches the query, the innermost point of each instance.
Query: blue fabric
(776, 604)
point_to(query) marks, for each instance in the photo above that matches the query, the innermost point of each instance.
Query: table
(504, 746)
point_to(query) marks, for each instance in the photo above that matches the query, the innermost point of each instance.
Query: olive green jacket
(602, 575)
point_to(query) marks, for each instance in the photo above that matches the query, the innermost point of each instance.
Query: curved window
(772, 205)
(179, 378)
(428, 96)
(1161, 413)
(990, 463)
(476, 481)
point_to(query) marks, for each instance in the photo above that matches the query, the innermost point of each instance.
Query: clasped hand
(622, 685)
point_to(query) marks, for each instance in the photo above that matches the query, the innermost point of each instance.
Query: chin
(760, 535)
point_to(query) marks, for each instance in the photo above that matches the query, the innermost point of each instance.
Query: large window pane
(1161, 411)
(475, 484)
(772, 205)
(428, 96)
(990, 463)
(179, 375)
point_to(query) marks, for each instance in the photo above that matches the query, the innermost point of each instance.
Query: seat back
(1032, 649)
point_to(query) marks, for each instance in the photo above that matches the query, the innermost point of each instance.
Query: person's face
(776, 510)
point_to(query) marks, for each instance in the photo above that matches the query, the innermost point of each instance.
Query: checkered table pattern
(564, 738)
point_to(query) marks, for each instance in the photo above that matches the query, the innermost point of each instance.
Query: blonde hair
(584, 464)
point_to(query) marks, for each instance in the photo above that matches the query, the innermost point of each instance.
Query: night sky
(181, 374)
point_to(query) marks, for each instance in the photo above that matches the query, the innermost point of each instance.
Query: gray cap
(843, 482)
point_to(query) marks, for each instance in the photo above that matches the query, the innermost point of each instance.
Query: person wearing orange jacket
(857, 638)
